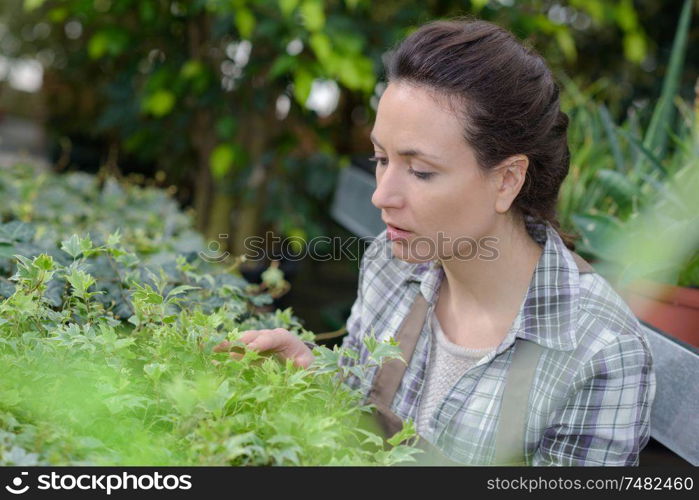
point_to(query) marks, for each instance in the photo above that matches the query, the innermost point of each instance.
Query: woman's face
(427, 179)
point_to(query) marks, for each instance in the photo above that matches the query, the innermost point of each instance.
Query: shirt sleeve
(606, 419)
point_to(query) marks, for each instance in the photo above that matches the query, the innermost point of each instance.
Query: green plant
(617, 172)
(106, 343)
(661, 241)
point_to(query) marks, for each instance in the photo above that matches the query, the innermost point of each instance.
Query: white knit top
(447, 363)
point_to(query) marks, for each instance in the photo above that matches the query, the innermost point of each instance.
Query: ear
(510, 177)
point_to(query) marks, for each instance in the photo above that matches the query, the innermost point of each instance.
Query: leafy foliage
(621, 174)
(106, 343)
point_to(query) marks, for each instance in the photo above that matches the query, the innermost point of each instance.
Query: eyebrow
(405, 152)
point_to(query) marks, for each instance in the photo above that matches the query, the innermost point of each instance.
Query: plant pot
(672, 309)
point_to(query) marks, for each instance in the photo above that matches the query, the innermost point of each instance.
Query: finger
(269, 341)
(251, 335)
(223, 346)
(305, 360)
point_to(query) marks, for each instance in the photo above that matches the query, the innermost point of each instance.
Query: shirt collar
(547, 314)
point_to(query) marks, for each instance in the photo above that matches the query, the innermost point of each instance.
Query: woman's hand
(279, 341)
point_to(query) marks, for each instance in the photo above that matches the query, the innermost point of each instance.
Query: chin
(402, 251)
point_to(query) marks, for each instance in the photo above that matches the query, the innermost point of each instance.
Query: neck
(479, 288)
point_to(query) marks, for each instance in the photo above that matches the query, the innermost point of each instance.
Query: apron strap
(390, 374)
(584, 266)
(509, 436)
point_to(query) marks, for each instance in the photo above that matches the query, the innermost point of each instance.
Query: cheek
(445, 209)
(456, 212)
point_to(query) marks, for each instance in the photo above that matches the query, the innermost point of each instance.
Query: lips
(398, 228)
(396, 233)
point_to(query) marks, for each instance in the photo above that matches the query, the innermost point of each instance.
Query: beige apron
(509, 439)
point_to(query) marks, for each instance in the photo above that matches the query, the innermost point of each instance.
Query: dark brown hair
(506, 96)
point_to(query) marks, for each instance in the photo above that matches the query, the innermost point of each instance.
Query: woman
(518, 352)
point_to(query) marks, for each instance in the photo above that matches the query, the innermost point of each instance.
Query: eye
(421, 175)
(378, 160)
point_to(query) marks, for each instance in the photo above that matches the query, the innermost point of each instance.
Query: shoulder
(606, 326)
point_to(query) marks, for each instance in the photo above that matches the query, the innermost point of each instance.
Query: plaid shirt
(592, 392)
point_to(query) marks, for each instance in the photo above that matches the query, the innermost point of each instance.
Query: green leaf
(16, 231)
(7, 251)
(356, 73)
(626, 15)
(222, 160)
(322, 47)
(288, 6)
(112, 41)
(128, 260)
(30, 5)
(283, 64)
(371, 438)
(155, 370)
(326, 360)
(567, 44)
(645, 153)
(597, 231)
(75, 246)
(34, 272)
(635, 47)
(80, 281)
(402, 454)
(159, 103)
(192, 68)
(58, 14)
(273, 277)
(619, 187)
(44, 262)
(313, 14)
(370, 342)
(147, 295)
(477, 5)
(610, 131)
(303, 81)
(661, 121)
(689, 274)
(98, 45)
(179, 290)
(387, 350)
(244, 22)
(407, 432)
(114, 238)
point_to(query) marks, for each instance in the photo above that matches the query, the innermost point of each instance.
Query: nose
(388, 192)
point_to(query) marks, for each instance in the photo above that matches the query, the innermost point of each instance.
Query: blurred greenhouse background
(245, 112)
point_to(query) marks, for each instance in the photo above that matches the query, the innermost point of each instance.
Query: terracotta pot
(672, 309)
